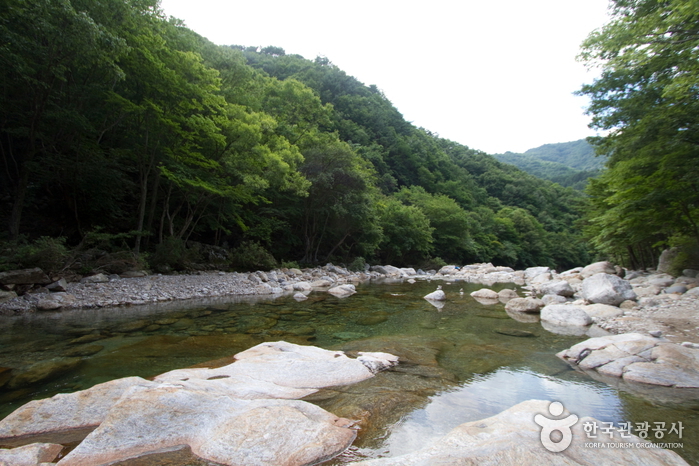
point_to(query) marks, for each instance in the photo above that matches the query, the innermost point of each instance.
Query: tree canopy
(118, 121)
(647, 98)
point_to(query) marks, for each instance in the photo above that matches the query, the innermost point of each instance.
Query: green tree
(451, 224)
(55, 64)
(407, 234)
(647, 98)
(339, 213)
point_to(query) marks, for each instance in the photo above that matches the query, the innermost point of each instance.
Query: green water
(483, 361)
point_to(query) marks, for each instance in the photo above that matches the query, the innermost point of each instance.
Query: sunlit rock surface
(240, 413)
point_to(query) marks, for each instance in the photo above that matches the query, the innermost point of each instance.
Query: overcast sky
(495, 75)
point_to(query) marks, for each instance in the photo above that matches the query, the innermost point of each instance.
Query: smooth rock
(342, 290)
(284, 365)
(553, 299)
(506, 294)
(598, 267)
(609, 289)
(529, 305)
(300, 296)
(638, 359)
(322, 283)
(437, 295)
(303, 286)
(30, 455)
(676, 289)
(514, 438)
(561, 314)
(557, 287)
(485, 293)
(217, 428)
(532, 272)
(602, 311)
(66, 411)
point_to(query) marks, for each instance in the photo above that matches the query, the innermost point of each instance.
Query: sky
(494, 75)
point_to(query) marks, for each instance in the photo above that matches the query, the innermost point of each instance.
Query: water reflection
(461, 360)
(490, 394)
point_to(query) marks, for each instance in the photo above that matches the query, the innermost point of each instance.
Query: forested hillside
(122, 130)
(569, 164)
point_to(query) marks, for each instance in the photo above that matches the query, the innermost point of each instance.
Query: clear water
(491, 370)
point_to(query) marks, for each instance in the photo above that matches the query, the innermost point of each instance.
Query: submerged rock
(44, 370)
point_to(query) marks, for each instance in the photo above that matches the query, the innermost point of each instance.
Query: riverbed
(470, 361)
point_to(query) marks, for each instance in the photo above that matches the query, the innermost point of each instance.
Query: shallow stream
(468, 360)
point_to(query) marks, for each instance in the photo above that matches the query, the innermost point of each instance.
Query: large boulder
(216, 428)
(529, 305)
(667, 260)
(24, 277)
(637, 359)
(242, 413)
(557, 287)
(66, 412)
(513, 437)
(507, 294)
(602, 311)
(604, 288)
(598, 267)
(532, 272)
(562, 314)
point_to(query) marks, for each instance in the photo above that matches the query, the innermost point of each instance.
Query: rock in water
(242, 413)
(513, 438)
(217, 428)
(437, 295)
(342, 290)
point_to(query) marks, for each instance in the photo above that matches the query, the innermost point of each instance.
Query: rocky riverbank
(583, 301)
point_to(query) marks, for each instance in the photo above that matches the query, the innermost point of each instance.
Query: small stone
(655, 333)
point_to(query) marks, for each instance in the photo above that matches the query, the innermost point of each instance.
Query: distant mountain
(578, 155)
(569, 164)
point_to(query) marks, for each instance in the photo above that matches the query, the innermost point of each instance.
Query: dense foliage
(569, 164)
(120, 123)
(648, 99)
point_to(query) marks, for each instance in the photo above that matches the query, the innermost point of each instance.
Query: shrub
(357, 265)
(172, 254)
(49, 254)
(251, 255)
